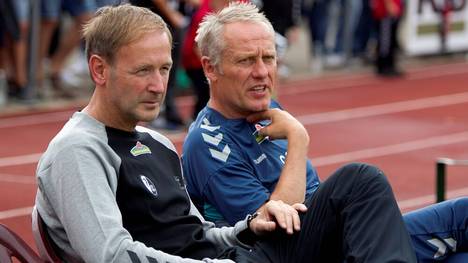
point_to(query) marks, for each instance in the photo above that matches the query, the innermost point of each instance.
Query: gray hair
(116, 26)
(209, 33)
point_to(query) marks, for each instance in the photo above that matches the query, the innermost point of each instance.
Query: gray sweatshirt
(101, 203)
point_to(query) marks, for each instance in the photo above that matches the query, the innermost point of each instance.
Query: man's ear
(209, 69)
(97, 69)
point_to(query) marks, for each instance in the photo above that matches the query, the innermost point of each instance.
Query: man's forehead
(250, 34)
(242, 30)
(252, 52)
(148, 40)
(143, 52)
(250, 48)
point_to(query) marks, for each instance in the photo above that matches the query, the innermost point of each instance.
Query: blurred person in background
(333, 26)
(81, 11)
(13, 48)
(18, 46)
(349, 12)
(387, 14)
(18, 50)
(285, 16)
(8, 28)
(317, 14)
(364, 35)
(74, 74)
(191, 54)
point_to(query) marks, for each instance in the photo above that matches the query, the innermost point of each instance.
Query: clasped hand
(277, 214)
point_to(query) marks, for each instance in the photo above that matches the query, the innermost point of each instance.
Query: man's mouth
(152, 102)
(259, 88)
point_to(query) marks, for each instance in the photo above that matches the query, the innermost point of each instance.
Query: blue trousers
(439, 232)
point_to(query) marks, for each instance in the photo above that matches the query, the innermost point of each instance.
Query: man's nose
(260, 70)
(157, 83)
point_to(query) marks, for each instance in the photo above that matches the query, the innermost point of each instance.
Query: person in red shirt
(387, 13)
(191, 55)
(191, 59)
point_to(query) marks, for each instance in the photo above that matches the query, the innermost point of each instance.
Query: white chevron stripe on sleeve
(442, 247)
(222, 156)
(214, 140)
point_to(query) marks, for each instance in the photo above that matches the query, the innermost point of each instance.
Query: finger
(265, 226)
(289, 222)
(264, 131)
(296, 222)
(269, 226)
(300, 207)
(285, 218)
(280, 218)
(278, 212)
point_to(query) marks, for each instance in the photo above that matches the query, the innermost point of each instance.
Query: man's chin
(261, 107)
(149, 116)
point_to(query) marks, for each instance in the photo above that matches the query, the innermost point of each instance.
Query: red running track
(400, 125)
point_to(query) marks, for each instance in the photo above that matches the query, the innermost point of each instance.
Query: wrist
(250, 218)
(300, 136)
(297, 130)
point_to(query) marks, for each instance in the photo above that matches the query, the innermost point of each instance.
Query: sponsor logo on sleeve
(140, 149)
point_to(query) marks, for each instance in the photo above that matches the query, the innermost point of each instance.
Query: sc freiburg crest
(149, 185)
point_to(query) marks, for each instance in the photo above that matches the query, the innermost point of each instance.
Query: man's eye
(165, 70)
(269, 59)
(246, 61)
(142, 71)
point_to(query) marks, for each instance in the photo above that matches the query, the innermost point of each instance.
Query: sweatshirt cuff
(243, 233)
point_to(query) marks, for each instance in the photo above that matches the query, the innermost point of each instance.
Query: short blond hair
(209, 33)
(115, 26)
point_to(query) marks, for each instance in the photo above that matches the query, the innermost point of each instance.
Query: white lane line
(15, 178)
(374, 110)
(323, 117)
(347, 114)
(35, 119)
(439, 73)
(430, 199)
(440, 66)
(391, 149)
(16, 212)
(300, 87)
(421, 72)
(381, 109)
(348, 81)
(405, 204)
(324, 84)
(34, 157)
(430, 142)
(19, 160)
